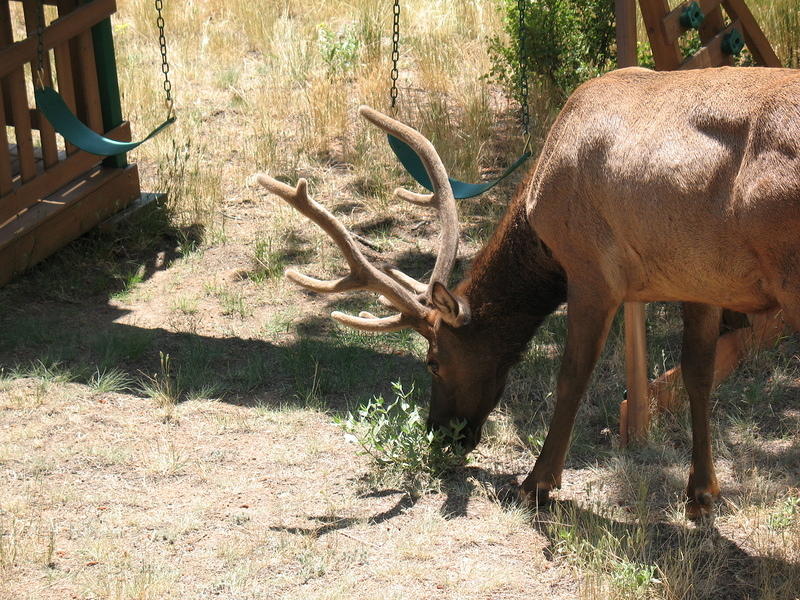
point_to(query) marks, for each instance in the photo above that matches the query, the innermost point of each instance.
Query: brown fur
(680, 186)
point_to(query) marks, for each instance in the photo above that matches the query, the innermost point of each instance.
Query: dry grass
(166, 399)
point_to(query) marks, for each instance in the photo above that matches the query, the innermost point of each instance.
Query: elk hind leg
(700, 332)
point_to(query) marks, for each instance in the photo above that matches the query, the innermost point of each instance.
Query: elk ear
(454, 309)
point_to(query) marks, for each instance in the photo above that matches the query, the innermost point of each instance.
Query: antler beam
(442, 198)
(362, 276)
(396, 289)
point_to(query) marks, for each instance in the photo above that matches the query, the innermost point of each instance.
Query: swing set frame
(51, 191)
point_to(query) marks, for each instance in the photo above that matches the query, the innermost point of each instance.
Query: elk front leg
(700, 333)
(588, 322)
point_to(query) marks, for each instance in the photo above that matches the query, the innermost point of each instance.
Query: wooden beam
(65, 171)
(732, 348)
(711, 55)
(757, 42)
(667, 55)
(671, 24)
(626, 33)
(5, 156)
(638, 401)
(64, 216)
(57, 33)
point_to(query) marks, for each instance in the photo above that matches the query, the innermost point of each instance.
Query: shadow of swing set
(53, 192)
(63, 167)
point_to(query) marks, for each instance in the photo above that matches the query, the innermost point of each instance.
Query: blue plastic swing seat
(72, 129)
(412, 163)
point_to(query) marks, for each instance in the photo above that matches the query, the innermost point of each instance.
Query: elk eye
(433, 367)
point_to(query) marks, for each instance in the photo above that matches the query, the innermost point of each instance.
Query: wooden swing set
(63, 167)
(721, 40)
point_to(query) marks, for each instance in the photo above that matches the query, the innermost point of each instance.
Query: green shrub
(395, 436)
(339, 49)
(566, 43)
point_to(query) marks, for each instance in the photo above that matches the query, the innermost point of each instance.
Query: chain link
(523, 69)
(162, 41)
(39, 76)
(395, 52)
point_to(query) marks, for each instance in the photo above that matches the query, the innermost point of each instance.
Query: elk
(676, 186)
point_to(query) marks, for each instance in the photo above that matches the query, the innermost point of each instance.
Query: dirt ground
(167, 398)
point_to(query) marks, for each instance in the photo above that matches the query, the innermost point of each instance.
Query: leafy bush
(566, 43)
(395, 436)
(339, 49)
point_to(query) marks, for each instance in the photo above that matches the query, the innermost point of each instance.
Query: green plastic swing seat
(64, 121)
(412, 163)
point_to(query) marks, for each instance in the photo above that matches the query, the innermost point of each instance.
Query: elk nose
(469, 437)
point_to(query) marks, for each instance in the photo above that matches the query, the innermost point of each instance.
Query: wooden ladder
(665, 27)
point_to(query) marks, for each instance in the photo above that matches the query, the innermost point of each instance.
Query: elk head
(466, 381)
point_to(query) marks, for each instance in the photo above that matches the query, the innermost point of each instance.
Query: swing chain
(39, 77)
(162, 40)
(523, 74)
(395, 51)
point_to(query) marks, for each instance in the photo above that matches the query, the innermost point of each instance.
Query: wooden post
(635, 410)
(638, 402)
(106, 65)
(626, 33)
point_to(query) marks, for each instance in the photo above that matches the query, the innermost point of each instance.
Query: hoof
(700, 509)
(537, 498)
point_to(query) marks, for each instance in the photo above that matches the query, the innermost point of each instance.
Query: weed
(394, 434)
(128, 281)
(162, 386)
(787, 514)
(110, 380)
(268, 263)
(46, 370)
(339, 50)
(186, 306)
(232, 302)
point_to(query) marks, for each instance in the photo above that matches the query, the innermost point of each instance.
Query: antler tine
(362, 274)
(442, 197)
(414, 198)
(368, 322)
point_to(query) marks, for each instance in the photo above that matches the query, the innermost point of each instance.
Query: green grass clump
(394, 435)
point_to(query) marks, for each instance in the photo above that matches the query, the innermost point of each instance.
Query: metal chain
(395, 51)
(162, 40)
(523, 71)
(39, 76)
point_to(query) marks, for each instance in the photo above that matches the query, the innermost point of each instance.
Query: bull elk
(651, 186)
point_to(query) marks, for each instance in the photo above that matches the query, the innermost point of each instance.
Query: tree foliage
(566, 43)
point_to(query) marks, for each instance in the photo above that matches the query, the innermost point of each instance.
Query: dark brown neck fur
(514, 283)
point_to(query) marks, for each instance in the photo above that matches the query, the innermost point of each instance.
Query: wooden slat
(47, 135)
(667, 55)
(6, 39)
(711, 55)
(22, 125)
(757, 42)
(671, 24)
(57, 33)
(626, 33)
(5, 156)
(65, 171)
(16, 96)
(88, 91)
(66, 84)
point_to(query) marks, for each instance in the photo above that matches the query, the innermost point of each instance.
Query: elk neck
(514, 283)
